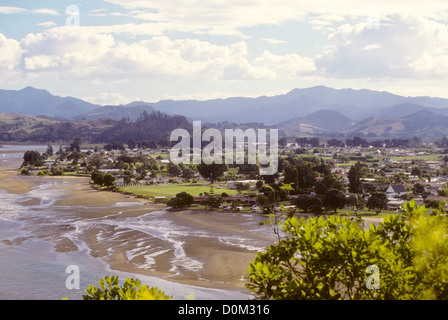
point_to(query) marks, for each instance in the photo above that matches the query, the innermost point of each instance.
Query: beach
(48, 223)
(134, 236)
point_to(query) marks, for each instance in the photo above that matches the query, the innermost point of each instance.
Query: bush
(327, 258)
(131, 289)
(181, 200)
(308, 203)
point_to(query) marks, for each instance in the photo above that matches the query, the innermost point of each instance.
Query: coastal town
(307, 173)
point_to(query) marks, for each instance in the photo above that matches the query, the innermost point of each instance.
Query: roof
(398, 188)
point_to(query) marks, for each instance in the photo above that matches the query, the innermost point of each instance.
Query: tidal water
(32, 225)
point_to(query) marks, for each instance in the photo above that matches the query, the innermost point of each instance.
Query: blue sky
(150, 50)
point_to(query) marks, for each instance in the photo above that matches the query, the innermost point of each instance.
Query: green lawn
(366, 213)
(426, 157)
(170, 190)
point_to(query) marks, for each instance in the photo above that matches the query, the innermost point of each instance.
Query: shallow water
(40, 238)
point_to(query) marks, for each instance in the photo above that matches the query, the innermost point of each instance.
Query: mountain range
(310, 111)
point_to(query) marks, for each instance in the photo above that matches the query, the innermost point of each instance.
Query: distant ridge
(315, 110)
(318, 122)
(35, 102)
(115, 112)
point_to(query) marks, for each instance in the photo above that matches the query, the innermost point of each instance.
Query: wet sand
(14, 183)
(219, 265)
(209, 254)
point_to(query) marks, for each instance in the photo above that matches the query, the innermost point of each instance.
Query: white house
(395, 190)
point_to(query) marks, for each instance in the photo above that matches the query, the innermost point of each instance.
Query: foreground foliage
(326, 258)
(132, 289)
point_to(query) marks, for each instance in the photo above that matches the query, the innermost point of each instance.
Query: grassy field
(170, 190)
(365, 213)
(426, 157)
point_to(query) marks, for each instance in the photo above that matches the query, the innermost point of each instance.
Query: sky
(115, 52)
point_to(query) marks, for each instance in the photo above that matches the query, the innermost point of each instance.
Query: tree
(418, 188)
(314, 142)
(181, 200)
(32, 158)
(443, 192)
(97, 178)
(331, 181)
(377, 201)
(334, 199)
(131, 143)
(75, 156)
(108, 180)
(354, 178)
(174, 169)
(132, 289)
(331, 258)
(308, 203)
(262, 200)
(283, 141)
(127, 180)
(290, 174)
(212, 201)
(187, 172)
(114, 146)
(211, 171)
(335, 143)
(96, 161)
(416, 171)
(75, 145)
(49, 151)
(356, 201)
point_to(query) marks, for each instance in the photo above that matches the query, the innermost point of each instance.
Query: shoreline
(218, 262)
(80, 194)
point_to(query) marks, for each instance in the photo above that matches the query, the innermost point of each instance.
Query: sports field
(170, 190)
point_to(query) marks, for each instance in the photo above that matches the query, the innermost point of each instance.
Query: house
(434, 164)
(394, 204)
(159, 199)
(395, 190)
(112, 171)
(240, 184)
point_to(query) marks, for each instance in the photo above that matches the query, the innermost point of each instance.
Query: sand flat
(105, 225)
(12, 183)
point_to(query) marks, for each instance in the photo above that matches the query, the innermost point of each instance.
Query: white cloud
(11, 10)
(73, 53)
(293, 64)
(42, 62)
(274, 41)
(109, 98)
(231, 16)
(215, 17)
(47, 24)
(242, 70)
(372, 46)
(403, 47)
(10, 54)
(46, 11)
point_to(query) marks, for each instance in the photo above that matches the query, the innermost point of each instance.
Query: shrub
(131, 289)
(181, 200)
(327, 258)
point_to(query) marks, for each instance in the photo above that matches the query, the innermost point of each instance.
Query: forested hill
(24, 128)
(152, 126)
